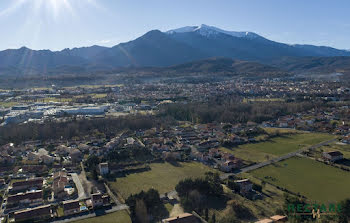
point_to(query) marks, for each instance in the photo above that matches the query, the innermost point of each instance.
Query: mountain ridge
(162, 49)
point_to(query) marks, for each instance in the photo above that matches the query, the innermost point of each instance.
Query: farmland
(258, 152)
(305, 176)
(119, 216)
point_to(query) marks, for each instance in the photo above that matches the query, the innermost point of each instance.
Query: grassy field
(281, 130)
(7, 104)
(258, 152)
(115, 217)
(162, 176)
(315, 180)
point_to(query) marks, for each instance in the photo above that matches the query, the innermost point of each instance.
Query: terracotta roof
(29, 183)
(96, 196)
(33, 213)
(24, 196)
(264, 221)
(278, 217)
(59, 174)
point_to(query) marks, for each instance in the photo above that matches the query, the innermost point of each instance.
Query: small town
(228, 111)
(65, 179)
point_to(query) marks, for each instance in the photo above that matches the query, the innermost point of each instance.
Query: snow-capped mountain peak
(206, 30)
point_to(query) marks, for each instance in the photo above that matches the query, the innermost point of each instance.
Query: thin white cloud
(16, 4)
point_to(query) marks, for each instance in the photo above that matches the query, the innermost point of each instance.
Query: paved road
(111, 194)
(275, 160)
(81, 192)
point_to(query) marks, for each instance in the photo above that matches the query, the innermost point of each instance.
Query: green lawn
(315, 180)
(258, 152)
(115, 217)
(162, 176)
(60, 211)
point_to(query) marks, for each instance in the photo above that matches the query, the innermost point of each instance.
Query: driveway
(81, 192)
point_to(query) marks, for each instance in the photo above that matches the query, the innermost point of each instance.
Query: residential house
(346, 139)
(332, 156)
(266, 220)
(28, 198)
(30, 184)
(106, 199)
(96, 200)
(103, 168)
(75, 155)
(275, 218)
(60, 180)
(230, 165)
(2, 183)
(279, 218)
(38, 213)
(48, 160)
(71, 207)
(245, 186)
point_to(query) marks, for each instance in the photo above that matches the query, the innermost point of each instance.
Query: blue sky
(59, 24)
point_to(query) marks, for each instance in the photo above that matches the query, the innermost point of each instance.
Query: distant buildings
(103, 168)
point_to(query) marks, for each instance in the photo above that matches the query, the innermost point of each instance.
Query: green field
(7, 104)
(115, 217)
(315, 180)
(258, 152)
(162, 177)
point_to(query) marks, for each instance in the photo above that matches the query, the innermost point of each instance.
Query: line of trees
(84, 128)
(235, 111)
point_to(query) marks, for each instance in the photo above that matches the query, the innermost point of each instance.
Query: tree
(240, 210)
(344, 215)
(47, 193)
(206, 214)
(141, 212)
(146, 203)
(213, 218)
(257, 187)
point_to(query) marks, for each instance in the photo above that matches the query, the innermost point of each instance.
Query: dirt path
(177, 210)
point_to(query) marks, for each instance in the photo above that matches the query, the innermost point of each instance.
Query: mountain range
(162, 49)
